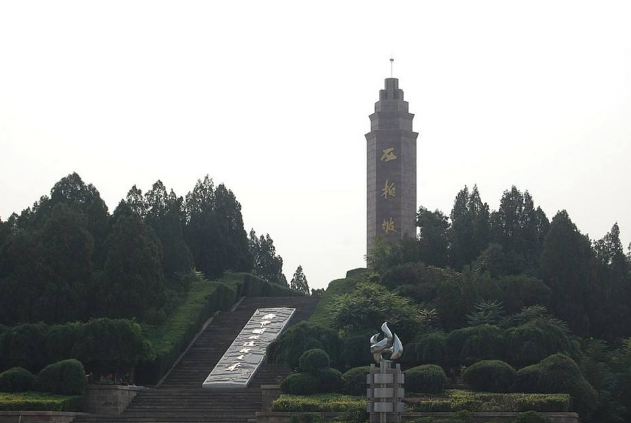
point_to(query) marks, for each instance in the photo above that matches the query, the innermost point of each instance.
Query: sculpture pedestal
(385, 392)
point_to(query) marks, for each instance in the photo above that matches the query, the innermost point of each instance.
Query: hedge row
(519, 346)
(103, 342)
(319, 402)
(33, 401)
(465, 400)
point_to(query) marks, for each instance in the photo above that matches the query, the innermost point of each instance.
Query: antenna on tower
(391, 66)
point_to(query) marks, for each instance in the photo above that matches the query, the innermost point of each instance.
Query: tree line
(584, 282)
(67, 258)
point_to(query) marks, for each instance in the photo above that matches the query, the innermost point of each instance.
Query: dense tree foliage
(299, 281)
(67, 259)
(267, 264)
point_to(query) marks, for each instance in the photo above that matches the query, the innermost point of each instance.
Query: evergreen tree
(565, 265)
(299, 281)
(470, 227)
(267, 264)
(433, 242)
(132, 283)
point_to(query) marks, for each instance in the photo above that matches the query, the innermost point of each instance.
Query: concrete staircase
(181, 398)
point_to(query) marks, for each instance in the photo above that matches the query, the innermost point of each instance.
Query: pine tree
(299, 281)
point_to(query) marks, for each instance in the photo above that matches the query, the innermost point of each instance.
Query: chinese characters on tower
(388, 190)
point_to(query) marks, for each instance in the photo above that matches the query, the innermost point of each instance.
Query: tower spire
(391, 66)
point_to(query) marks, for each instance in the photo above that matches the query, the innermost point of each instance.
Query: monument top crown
(391, 90)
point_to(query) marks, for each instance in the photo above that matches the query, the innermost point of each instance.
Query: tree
(433, 242)
(470, 227)
(267, 264)
(565, 265)
(132, 283)
(299, 281)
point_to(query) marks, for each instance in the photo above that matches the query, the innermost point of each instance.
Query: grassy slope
(323, 314)
(184, 315)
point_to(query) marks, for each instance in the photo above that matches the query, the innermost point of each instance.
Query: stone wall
(37, 416)
(269, 393)
(109, 399)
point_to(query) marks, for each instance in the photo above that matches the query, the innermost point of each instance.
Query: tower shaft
(391, 175)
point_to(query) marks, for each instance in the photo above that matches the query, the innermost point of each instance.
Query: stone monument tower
(391, 167)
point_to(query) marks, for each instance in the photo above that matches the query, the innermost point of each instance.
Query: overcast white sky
(272, 99)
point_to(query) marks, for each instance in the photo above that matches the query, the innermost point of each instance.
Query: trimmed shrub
(330, 380)
(35, 401)
(319, 402)
(16, 379)
(533, 341)
(490, 376)
(300, 384)
(356, 349)
(431, 349)
(290, 345)
(531, 417)
(425, 378)
(314, 359)
(65, 377)
(528, 379)
(471, 344)
(25, 346)
(354, 381)
(61, 339)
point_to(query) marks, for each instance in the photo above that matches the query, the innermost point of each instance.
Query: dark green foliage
(267, 265)
(290, 345)
(560, 374)
(25, 346)
(61, 340)
(356, 349)
(132, 282)
(214, 232)
(486, 313)
(65, 377)
(16, 379)
(470, 228)
(429, 349)
(531, 417)
(426, 378)
(490, 376)
(565, 264)
(320, 403)
(533, 341)
(300, 384)
(306, 418)
(330, 380)
(369, 305)
(433, 242)
(112, 343)
(313, 360)
(299, 281)
(475, 343)
(354, 380)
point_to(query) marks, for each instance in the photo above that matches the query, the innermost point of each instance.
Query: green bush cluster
(105, 342)
(354, 380)
(490, 376)
(316, 375)
(290, 345)
(253, 286)
(66, 377)
(426, 378)
(16, 379)
(471, 344)
(559, 374)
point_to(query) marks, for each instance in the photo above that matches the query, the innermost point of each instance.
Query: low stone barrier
(109, 399)
(478, 417)
(38, 416)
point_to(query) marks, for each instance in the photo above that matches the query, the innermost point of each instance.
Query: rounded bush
(313, 360)
(356, 350)
(528, 379)
(300, 384)
(471, 344)
(65, 377)
(426, 378)
(290, 345)
(430, 349)
(490, 376)
(16, 379)
(330, 380)
(354, 380)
